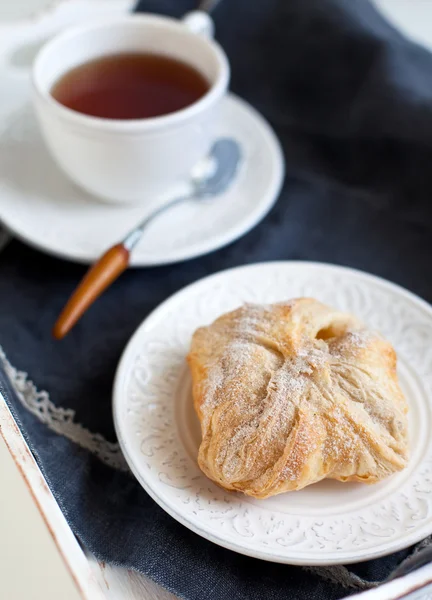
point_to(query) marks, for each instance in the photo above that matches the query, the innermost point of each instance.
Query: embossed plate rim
(293, 555)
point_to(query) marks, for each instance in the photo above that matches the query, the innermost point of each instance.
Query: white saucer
(41, 207)
(326, 523)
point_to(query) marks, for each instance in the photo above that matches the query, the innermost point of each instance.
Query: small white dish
(326, 523)
(39, 205)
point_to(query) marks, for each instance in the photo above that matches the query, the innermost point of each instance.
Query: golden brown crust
(289, 394)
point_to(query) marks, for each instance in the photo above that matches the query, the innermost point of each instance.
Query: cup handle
(200, 23)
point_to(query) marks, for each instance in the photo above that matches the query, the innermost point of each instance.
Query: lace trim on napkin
(62, 420)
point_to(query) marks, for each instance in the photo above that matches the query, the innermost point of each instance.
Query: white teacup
(130, 160)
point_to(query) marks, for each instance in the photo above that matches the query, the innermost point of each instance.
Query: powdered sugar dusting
(353, 341)
(273, 396)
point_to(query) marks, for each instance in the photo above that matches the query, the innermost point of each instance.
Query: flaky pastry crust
(292, 393)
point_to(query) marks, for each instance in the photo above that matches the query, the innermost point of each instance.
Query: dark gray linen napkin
(351, 101)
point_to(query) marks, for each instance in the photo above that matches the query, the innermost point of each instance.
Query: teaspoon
(225, 155)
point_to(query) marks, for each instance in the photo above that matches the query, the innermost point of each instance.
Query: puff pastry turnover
(291, 393)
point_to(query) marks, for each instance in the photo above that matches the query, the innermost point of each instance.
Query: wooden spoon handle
(97, 279)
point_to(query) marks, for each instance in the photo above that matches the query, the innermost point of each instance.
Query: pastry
(292, 393)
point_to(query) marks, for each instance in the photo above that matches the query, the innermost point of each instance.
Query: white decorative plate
(329, 522)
